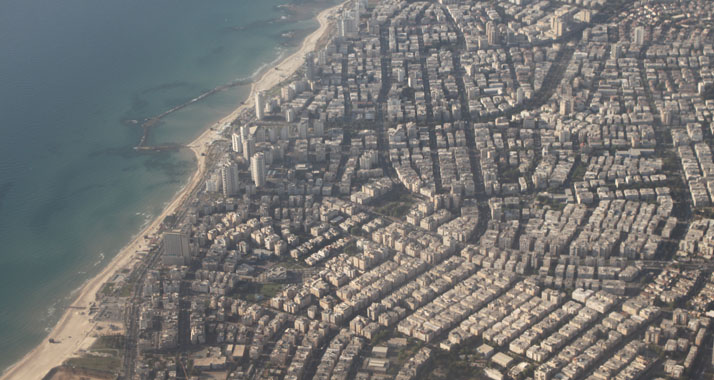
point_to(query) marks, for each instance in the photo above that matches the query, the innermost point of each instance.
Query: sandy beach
(76, 329)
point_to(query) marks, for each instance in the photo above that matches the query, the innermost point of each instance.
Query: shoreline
(75, 328)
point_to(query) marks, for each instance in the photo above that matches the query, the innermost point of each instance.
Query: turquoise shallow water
(72, 189)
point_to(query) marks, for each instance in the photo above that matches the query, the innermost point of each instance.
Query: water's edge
(165, 173)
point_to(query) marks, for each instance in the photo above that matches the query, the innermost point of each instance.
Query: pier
(149, 123)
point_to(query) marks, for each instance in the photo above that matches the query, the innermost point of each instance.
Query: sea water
(73, 190)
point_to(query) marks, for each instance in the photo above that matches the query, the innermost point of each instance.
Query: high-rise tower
(492, 33)
(257, 169)
(310, 66)
(229, 178)
(260, 105)
(639, 35)
(237, 143)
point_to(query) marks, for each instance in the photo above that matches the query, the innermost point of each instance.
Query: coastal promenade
(75, 330)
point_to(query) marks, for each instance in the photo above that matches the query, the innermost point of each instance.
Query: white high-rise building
(557, 25)
(348, 24)
(318, 127)
(244, 132)
(616, 51)
(357, 12)
(290, 115)
(302, 130)
(310, 66)
(287, 93)
(260, 105)
(237, 143)
(257, 169)
(213, 183)
(639, 35)
(492, 33)
(400, 75)
(248, 148)
(229, 177)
